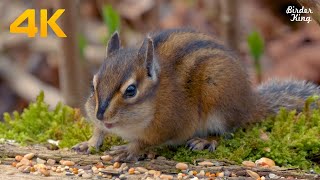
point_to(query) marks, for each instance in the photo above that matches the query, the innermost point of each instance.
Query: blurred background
(260, 31)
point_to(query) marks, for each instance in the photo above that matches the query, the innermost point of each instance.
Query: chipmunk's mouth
(109, 125)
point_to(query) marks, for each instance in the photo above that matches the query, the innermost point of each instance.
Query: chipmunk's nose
(101, 110)
(100, 116)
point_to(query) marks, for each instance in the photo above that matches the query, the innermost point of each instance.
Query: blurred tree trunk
(72, 72)
(230, 22)
(314, 5)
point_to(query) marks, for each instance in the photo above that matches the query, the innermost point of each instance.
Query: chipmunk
(179, 86)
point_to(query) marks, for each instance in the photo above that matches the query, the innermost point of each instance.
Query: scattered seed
(40, 161)
(122, 177)
(182, 166)
(201, 173)
(264, 136)
(165, 176)
(45, 172)
(26, 169)
(151, 156)
(123, 166)
(267, 149)
(131, 171)
(18, 165)
(157, 174)
(142, 169)
(205, 163)
(96, 171)
(40, 166)
(18, 158)
(51, 162)
(106, 158)
(14, 164)
(67, 163)
(75, 171)
(116, 165)
(21, 168)
(265, 162)
(273, 176)
(29, 156)
(220, 174)
(253, 174)
(10, 172)
(248, 164)
(54, 169)
(99, 165)
(25, 161)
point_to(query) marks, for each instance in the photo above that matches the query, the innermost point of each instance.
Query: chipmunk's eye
(131, 91)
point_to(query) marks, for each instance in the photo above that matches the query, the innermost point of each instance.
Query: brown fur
(188, 84)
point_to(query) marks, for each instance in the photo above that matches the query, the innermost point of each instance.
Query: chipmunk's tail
(290, 94)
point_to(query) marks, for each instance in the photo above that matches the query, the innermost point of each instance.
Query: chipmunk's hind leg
(202, 144)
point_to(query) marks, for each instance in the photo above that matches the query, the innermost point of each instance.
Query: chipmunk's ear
(147, 58)
(114, 43)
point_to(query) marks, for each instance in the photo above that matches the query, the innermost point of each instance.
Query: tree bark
(71, 65)
(230, 22)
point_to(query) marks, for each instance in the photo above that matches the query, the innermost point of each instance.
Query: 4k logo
(31, 28)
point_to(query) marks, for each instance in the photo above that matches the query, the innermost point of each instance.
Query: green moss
(37, 124)
(293, 141)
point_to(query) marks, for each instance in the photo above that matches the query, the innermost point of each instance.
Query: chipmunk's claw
(122, 154)
(82, 147)
(201, 144)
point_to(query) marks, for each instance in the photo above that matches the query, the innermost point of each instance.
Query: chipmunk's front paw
(201, 144)
(123, 154)
(86, 147)
(82, 147)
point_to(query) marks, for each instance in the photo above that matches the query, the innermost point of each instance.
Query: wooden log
(8, 152)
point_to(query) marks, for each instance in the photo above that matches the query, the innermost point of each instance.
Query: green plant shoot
(256, 47)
